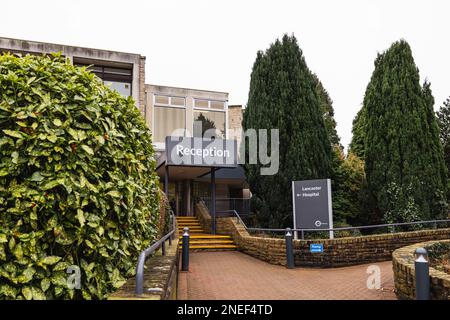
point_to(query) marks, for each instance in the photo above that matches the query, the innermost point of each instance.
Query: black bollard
(185, 252)
(422, 274)
(289, 249)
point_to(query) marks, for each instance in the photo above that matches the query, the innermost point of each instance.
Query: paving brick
(237, 276)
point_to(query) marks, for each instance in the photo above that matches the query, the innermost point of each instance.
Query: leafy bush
(77, 181)
(401, 205)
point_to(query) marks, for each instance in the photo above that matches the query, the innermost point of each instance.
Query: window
(169, 115)
(122, 87)
(118, 79)
(209, 114)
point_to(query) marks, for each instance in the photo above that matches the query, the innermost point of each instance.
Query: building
(168, 111)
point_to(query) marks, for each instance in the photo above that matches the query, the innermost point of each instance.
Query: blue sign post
(316, 247)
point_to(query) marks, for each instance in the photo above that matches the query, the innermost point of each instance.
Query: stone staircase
(199, 239)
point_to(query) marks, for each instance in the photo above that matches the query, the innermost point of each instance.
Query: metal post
(166, 182)
(163, 248)
(422, 274)
(213, 200)
(289, 249)
(185, 252)
(303, 234)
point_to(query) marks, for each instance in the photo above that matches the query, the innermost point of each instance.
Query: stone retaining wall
(359, 250)
(337, 252)
(404, 274)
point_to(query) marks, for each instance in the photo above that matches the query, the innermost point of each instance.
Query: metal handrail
(161, 243)
(393, 225)
(237, 216)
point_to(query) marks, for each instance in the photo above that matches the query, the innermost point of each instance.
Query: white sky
(212, 44)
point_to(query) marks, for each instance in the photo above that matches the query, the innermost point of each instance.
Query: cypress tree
(326, 106)
(357, 145)
(403, 156)
(444, 125)
(283, 96)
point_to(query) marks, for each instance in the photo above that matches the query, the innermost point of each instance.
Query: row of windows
(170, 117)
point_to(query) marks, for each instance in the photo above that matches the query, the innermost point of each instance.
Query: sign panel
(312, 208)
(192, 151)
(316, 247)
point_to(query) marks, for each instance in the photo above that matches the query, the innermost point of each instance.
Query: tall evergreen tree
(283, 96)
(403, 156)
(326, 106)
(444, 126)
(357, 145)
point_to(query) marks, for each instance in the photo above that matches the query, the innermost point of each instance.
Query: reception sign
(189, 151)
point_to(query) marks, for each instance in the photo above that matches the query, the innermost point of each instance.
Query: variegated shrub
(77, 181)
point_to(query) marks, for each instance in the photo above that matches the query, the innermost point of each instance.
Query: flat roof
(41, 43)
(184, 88)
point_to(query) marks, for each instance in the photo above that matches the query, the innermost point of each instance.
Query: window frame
(224, 110)
(161, 145)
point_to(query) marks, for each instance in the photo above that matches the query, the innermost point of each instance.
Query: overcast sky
(212, 44)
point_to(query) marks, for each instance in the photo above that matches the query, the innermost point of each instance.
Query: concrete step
(190, 228)
(209, 242)
(187, 223)
(206, 236)
(213, 247)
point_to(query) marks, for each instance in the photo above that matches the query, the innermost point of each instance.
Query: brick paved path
(236, 276)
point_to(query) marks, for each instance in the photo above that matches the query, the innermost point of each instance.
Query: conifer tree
(444, 126)
(357, 146)
(283, 96)
(403, 155)
(326, 106)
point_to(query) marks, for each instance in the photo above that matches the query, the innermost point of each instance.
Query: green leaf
(114, 194)
(61, 266)
(87, 149)
(37, 177)
(27, 275)
(80, 217)
(89, 244)
(15, 157)
(8, 291)
(57, 122)
(27, 293)
(52, 138)
(14, 134)
(18, 252)
(3, 238)
(100, 139)
(38, 294)
(50, 260)
(52, 184)
(45, 284)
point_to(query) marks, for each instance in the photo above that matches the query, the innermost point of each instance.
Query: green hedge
(77, 181)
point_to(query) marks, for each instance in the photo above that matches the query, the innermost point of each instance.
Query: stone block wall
(404, 274)
(338, 252)
(359, 250)
(202, 213)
